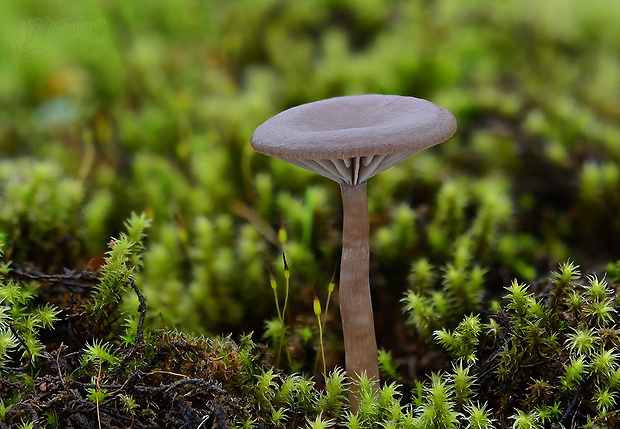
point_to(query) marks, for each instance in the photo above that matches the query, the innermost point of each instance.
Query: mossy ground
(109, 108)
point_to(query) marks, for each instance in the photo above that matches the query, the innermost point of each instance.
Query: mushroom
(349, 140)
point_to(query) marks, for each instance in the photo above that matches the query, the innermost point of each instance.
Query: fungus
(349, 140)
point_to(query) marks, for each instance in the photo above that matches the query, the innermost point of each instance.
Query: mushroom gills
(351, 171)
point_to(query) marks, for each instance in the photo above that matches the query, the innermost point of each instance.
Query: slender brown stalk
(355, 303)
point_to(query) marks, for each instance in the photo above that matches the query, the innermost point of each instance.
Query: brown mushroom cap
(350, 139)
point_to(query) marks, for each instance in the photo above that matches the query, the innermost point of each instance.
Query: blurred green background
(109, 107)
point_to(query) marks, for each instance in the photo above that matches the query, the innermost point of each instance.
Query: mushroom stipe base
(360, 344)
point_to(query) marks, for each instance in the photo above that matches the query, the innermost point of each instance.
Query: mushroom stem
(358, 327)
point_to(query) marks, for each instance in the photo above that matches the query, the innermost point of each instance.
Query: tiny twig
(151, 390)
(572, 407)
(70, 279)
(204, 420)
(22, 343)
(97, 395)
(60, 349)
(169, 373)
(6, 382)
(142, 310)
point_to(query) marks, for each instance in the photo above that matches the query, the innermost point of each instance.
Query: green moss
(535, 340)
(157, 119)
